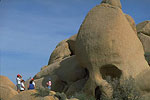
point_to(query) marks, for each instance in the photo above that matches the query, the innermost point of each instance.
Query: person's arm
(33, 84)
(47, 84)
(50, 83)
(23, 86)
(28, 86)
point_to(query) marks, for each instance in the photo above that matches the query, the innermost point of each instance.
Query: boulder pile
(143, 30)
(108, 43)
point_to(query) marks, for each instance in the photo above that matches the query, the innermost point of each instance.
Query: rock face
(30, 95)
(7, 88)
(143, 81)
(113, 3)
(71, 41)
(64, 49)
(61, 51)
(145, 39)
(131, 21)
(143, 30)
(6, 81)
(63, 74)
(106, 45)
(6, 93)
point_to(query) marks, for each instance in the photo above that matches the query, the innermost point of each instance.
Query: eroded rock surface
(31, 95)
(61, 51)
(131, 21)
(143, 30)
(63, 74)
(113, 3)
(108, 46)
(7, 88)
(6, 81)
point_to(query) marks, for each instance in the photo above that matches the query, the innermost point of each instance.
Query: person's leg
(49, 87)
(18, 88)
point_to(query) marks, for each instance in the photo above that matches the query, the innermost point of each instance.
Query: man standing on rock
(18, 81)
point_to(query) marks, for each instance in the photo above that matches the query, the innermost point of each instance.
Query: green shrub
(83, 96)
(42, 92)
(127, 90)
(61, 96)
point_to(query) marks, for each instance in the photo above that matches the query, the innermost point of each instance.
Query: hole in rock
(98, 93)
(111, 71)
(87, 73)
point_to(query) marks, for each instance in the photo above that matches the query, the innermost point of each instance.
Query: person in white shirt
(33, 82)
(18, 81)
(48, 84)
(22, 88)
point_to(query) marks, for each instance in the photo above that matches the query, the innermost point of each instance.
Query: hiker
(22, 85)
(48, 84)
(18, 81)
(33, 82)
(31, 85)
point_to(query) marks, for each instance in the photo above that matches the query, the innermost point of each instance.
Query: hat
(32, 79)
(18, 75)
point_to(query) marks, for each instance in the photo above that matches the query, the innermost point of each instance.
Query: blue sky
(31, 29)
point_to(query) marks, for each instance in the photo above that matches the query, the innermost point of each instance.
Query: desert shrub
(82, 96)
(127, 90)
(42, 92)
(61, 96)
(147, 53)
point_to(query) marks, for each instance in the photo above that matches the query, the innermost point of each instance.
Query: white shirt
(33, 83)
(22, 85)
(49, 83)
(18, 80)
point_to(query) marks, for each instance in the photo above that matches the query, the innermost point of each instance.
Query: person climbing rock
(18, 81)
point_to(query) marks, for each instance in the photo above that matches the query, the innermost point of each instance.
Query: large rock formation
(63, 75)
(6, 92)
(6, 81)
(71, 41)
(143, 30)
(61, 51)
(7, 88)
(107, 46)
(143, 81)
